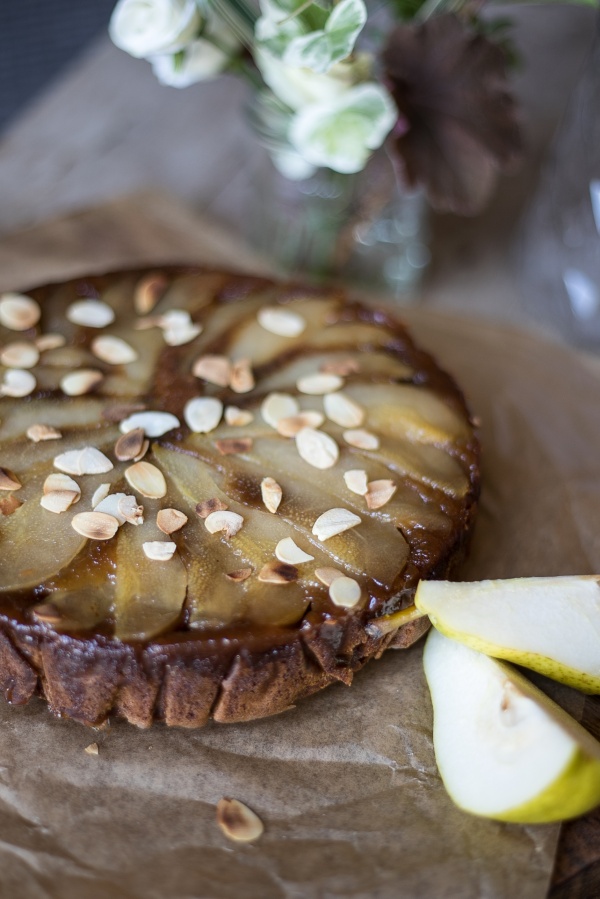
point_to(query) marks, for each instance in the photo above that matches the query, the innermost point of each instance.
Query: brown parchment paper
(346, 783)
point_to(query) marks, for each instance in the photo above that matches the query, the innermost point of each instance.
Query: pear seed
(238, 822)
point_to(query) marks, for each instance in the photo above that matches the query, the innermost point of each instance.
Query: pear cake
(210, 486)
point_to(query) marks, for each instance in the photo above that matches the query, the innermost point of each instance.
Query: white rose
(200, 61)
(146, 28)
(298, 88)
(340, 134)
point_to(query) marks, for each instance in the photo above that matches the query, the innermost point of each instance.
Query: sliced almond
(281, 321)
(147, 479)
(278, 405)
(18, 312)
(144, 449)
(278, 573)
(289, 551)
(95, 525)
(49, 342)
(19, 355)
(59, 500)
(289, 427)
(170, 520)
(319, 384)
(362, 439)
(129, 445)
(242, 378)
(380, 493)
(88, 460)
(231, 446)
(148, 291)
(110, 505)
(17, 382)
(227, 522)
(318, 449)
(154, 424)
(341, 409)
(37, 433)
(237, 417)
(129, 509)
(204, 508)
(214, 369)
(328, 575)
(9, 480)
(271, 493)
(159, 551)
(100, 493)
(181, 334)
(9, 504)
(78, 383)
(202, 414)
(113, 350)
(342, 367)
(242, 574)
(334, 522)
(90, 314)
(345, 592)
(59, 482)
(356, 481)
(92, 749)
(237, 821)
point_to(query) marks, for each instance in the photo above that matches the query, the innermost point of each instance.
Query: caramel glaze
(339, 632)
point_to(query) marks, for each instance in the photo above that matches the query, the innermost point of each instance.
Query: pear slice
(548, 624)
(503, 749)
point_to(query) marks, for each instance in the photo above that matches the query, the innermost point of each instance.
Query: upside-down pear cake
(210, 487)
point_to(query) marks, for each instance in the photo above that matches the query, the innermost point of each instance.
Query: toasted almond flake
(334, 522)
(231, 446)
(242, 574)
(237, 821)
(9, 480)
(56, 482)
(175, 318)
(37, 433)
(116, 412)
(90, 313)
(170, 520)
(110, 505)
(289, 551)
(95, 525)
(129, 445)
(310, 418)
(18, 312)
(242, 377)
(154, 424)
(19, 355)
(278, 405)
(328, 575)
(281, 321)
(271, 493)
(319, 384)
(148, 291)
(318, 449)
(228, 522)
(342, 367)
(362, 439)
(78, 383)
(129, 509)
(147, 479)
(380, 493)
(204, 508)
(214, 369)
(50, 342)
(9, 504)
(144, 449)
(343, 410)
(180, 334)
(88, 460)
(202, 414)
(17, 382)
(100, 493)
(159, 551)
(278, 573)
(59, 500)
(237, 417)
(345, 592)
(113, 350)
(92, 749)
(356, 481)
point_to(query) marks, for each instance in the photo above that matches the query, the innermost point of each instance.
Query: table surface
(106, 128)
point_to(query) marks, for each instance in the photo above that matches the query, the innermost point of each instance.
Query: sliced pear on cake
(504, 750)
(550, 624)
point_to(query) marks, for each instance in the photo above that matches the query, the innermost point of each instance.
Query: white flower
(341, 133)
(146, 28)
(301, 87)
(199, 61)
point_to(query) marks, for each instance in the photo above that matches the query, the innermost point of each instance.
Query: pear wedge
(504, 750)
(549, 624)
